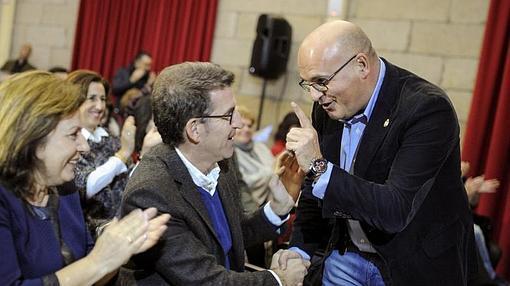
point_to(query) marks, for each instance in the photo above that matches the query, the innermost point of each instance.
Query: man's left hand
(291, 175)
(281, 202)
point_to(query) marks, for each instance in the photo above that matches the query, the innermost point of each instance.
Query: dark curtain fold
(487, 142)
(110, 32)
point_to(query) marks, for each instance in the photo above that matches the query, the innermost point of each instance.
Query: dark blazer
(12, 66)
(405, 189)
(121, 82)
(189, 252)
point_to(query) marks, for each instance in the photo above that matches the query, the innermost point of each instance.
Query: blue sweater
(219, 221)
(29, 249)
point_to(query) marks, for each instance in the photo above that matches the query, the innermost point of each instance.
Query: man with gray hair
(190, 177)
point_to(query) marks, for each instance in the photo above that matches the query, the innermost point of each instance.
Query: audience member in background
(59, 72)
(128, 100)
(255, 163)
(474, 187)
(102, 173)
(255, 160)
(136, 75)
(20, 64)
(188, 176)
(280, 137)
(43, 237)
(147, 134)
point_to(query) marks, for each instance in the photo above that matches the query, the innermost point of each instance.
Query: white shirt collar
(207, 182)
(96, 136)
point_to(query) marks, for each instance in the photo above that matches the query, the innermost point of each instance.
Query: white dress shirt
(104, 174)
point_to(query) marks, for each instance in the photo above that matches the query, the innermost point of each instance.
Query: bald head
(333, 39)
(339, 64)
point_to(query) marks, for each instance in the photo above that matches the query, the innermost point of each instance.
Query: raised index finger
(303, 119)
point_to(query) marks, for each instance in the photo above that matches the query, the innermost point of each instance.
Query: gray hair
(182, 92)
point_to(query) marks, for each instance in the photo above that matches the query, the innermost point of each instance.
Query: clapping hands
(135, 233)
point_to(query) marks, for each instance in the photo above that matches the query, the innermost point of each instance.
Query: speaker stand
(261, 105)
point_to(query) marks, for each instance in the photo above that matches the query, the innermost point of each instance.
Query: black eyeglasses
(322, 84)
(227, 117)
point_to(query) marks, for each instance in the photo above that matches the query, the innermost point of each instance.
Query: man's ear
(192, 130)
(362, 63)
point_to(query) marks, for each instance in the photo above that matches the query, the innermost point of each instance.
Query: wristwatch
(317, 168)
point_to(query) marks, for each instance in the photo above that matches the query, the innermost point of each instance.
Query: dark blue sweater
(29, 248)
(219, 221)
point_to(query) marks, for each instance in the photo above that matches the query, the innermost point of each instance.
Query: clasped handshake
(290, 267)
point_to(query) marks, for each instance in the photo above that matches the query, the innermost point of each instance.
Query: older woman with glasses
(43, 237)
(256, 167)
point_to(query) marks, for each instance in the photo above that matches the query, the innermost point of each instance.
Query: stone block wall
(49, 25)
(439, 40)
(233, 41)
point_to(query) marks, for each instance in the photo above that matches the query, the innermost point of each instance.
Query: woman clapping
(43, 237)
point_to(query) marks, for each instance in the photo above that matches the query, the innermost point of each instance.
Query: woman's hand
(135, 233)
(120, 239)
(157, 226)
(127, 139)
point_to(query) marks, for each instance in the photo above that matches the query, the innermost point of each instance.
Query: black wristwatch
(317, 168)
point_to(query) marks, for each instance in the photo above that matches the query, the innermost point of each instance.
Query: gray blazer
(189, 252)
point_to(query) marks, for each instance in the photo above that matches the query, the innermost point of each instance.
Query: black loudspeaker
(271, 47)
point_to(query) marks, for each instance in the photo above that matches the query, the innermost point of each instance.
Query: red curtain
(486, 143)
(110, 32)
